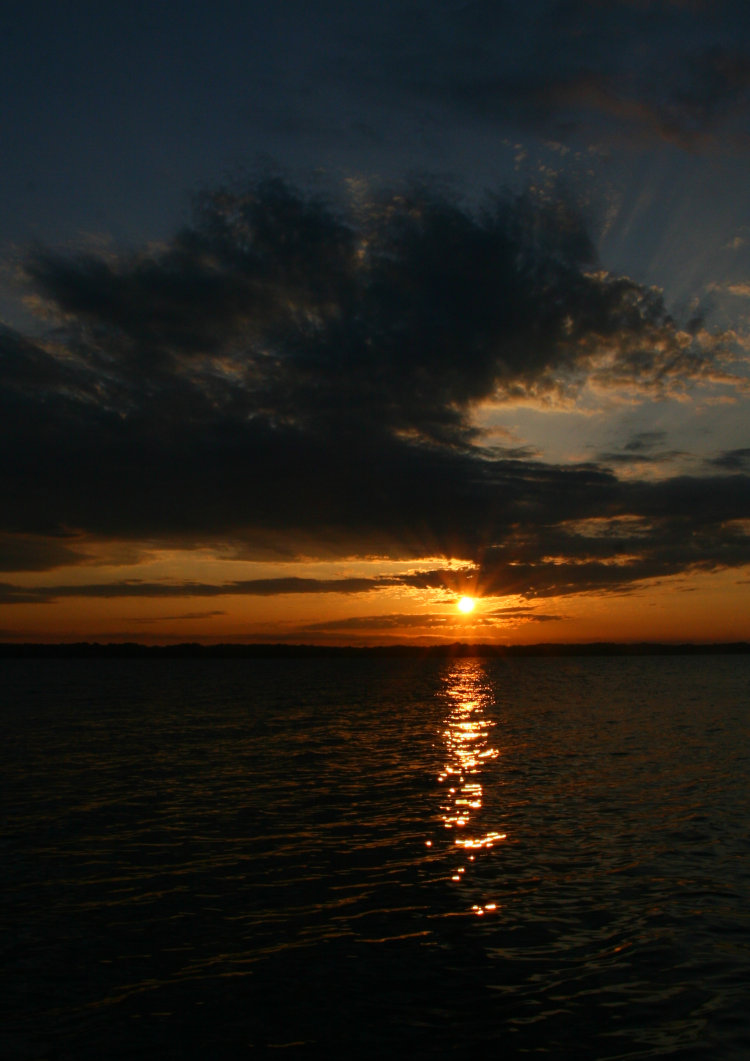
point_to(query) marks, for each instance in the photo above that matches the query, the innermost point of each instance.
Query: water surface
(227, 858)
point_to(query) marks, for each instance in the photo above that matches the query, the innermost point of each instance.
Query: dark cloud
(642, 449)
(685, 525)
(395, 621)
(450, 579)
(19, 552)
(406, 310)
(645, 441)
(298, 377)
(733, 460)
(436, 621)
(267, 587)
(526, 614)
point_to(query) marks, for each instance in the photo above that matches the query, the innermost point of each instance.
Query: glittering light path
(468, 749)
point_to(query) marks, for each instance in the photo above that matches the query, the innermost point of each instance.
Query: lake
(440, 858)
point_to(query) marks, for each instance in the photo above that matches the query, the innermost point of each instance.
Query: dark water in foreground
(475, 858)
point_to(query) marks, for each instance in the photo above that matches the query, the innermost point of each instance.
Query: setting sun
(466, 604)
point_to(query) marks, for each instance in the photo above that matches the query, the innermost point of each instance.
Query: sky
(318, 317)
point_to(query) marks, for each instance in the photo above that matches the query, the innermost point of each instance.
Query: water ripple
(548, 856)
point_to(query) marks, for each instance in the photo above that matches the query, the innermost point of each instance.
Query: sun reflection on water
(467, 743)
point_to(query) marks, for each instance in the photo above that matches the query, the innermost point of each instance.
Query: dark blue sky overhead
(114, 113)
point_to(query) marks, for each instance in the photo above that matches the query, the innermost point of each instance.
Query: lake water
(210, 859)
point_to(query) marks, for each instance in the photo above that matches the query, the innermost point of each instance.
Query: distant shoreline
(133, 650)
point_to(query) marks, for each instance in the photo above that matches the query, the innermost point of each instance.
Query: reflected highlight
(467, 742)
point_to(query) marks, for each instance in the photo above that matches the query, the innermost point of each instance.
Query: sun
(466, 605)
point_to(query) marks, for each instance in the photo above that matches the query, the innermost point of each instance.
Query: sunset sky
(317, 317)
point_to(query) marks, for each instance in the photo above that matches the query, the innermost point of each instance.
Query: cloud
(407, 309)
(298, 377)
(34, 552)
(523, 614)
(268, 587)
(644, 441)
(685, 525)
(173, 618)
(733, 460)
(449, 579)
(395, 621)
(434, 621)
(641, 449)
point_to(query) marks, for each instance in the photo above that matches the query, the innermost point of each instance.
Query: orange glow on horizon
(149, 601)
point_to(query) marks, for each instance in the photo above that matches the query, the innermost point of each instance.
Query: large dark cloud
(298, 378)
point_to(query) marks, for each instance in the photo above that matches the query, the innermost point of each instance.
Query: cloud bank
(296, 377)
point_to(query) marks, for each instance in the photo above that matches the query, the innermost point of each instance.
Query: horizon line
(259, 649)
